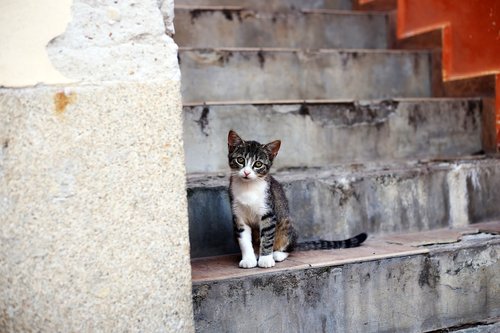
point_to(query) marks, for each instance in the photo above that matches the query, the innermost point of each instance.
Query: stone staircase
(365, 147)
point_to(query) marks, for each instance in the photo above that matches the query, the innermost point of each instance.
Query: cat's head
(250, 160)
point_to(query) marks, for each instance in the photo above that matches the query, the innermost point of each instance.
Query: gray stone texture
(215, 27)
(452, 285)
(319, 134)
(270, 75)
(340, 201)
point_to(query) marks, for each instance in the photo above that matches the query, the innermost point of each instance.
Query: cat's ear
(233, 140)
(273, 147)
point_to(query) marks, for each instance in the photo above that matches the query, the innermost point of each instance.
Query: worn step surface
(340, 201)
(289, 74)
(272, 5)
(382, 286)
(319, 133)
(487, 326)
(209, 27)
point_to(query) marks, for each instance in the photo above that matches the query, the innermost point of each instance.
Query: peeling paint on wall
(26, 27)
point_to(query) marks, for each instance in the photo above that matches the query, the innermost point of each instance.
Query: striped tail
(332, 244)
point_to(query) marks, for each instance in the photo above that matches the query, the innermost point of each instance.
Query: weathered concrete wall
(93, 215)
(273, 5)
(320, 134)
(287, 74)
(340, 201)
(452, 285)
(222, 27)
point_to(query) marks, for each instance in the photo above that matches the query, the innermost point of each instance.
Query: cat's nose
(246, 172)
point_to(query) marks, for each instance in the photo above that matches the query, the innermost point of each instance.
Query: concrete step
(319, 133)
(340, 201)
(272, 5)
(307, 29)
(486, 326)
(290, 74)
(382, 286)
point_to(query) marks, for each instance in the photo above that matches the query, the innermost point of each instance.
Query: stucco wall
(93, 215)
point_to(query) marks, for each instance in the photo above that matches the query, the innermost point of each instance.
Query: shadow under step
(235, 74)
(337, 202)
(209, 27)
(319, 133)
(402, 283)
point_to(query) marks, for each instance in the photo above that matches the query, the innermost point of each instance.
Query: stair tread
(211, 74)
(301, 50)
(375, 248)
(272, 5)
(332, 101)
(218, 179)
(305, 10)
(221, 26)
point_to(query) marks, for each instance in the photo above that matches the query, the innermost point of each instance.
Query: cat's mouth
(246, 178)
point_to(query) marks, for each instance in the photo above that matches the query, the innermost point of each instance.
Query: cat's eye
(240, 160)
(258, 164)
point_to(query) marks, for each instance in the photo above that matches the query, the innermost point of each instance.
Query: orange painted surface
(471, 36)
(497, 87)
(471, 32)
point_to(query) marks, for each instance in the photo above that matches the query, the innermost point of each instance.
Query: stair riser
(235, 75)
(272, 5)
(449, 287)
(321, 134)
(207, 28)
(335, 207)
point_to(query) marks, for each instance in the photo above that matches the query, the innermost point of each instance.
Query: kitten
(260, 208)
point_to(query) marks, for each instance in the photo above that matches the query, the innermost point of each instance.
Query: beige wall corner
(93, 210)
(26, 27)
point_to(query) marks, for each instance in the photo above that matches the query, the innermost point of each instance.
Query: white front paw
(280, 256)
(248, 262)
(266, 261)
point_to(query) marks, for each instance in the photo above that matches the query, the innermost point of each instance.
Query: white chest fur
(249, 198)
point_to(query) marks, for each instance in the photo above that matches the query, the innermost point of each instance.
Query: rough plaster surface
(25, 29)
(167, 10)
(93, 233)
(117, 40)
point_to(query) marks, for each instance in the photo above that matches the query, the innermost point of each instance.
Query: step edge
(195, 180)
(306, 11)
(333, 101)
(405, 251)
(300, 50)
(257, 272)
